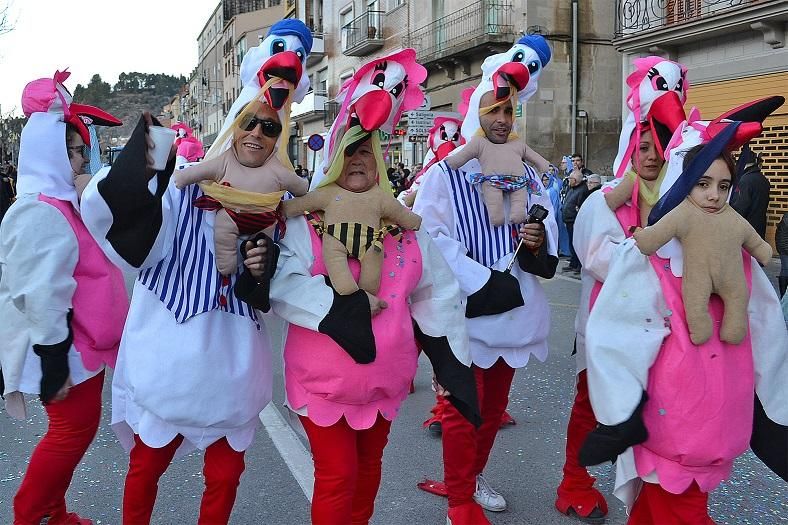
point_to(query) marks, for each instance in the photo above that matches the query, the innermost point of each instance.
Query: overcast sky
(97, 36)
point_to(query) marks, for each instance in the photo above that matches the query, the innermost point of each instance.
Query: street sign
(315, 142)
(426, 104)
(417, 138)
(419, 130)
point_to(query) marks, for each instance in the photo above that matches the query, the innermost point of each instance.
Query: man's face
(577, 162)
(253, 147)
(497, 124)
(575, 178)
(359, 173)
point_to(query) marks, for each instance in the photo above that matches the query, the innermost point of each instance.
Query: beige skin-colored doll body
(271, 177)
(711, 244)
(344, 207)
(500, 159)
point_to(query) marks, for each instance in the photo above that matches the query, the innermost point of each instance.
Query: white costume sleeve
(296, 295)
(98, 217)
(630, 307)
(437, 304)
(433, 203)
(769, 337)
(597, 235)
(39, 252)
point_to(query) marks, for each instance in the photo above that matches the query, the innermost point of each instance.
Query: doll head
(712, 190)
(496, 119)
(359, 171)
(255, 135)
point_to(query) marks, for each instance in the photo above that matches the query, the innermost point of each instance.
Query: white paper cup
(162, 143)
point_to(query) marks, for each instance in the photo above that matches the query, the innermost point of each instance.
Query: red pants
(577, 488)
(73, 423)
(466, 449)
(222, 471)
(347, 470)
(656, 506)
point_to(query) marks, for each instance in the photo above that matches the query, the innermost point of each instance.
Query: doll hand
(438, 389)
(376, 305)
(63, 392)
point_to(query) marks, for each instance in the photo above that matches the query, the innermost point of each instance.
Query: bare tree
(6, 25)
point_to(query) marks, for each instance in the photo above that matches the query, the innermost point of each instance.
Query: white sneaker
(487, 497)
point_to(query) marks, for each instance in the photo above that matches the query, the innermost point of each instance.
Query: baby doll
(247, 214)
(354, 207)
(712, 235)
(502, 168)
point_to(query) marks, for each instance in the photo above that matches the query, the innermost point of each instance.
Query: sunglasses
(83, 150)
(269, 127)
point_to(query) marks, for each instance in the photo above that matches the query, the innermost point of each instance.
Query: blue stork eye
(277, 46)
(301, 54)
(518, 56)
(533, 66)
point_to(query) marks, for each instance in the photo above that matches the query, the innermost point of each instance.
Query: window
(321, 82)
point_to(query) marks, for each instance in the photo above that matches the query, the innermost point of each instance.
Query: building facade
(452, 38)
(735, 52)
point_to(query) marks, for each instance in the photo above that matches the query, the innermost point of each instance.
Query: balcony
(330, 112)
(311, 108)
(318, 50)
(643, 24)
(363, 35)
(479, 24)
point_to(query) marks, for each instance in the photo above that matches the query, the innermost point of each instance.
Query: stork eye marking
(533, 66)
(277, 46)
(518, 56)
(658, 82)
(680, 85)
(301, 54)
(398, 89)
(379, 80)
(456, 136)
(381, 66)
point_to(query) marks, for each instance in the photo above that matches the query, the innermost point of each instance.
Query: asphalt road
(525, 465)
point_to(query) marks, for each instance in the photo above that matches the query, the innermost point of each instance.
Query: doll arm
(652, 238)
(394, 211)
(532, 157)
(460, 156)
(291, 182)
(314, 200)
(756, 246)
(206, 170)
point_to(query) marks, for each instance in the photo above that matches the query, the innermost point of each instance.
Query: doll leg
(371, 263)
(493, 200)
(734, 321)
(335, 257)
(518, 201)
(696, 305)
(225, 240)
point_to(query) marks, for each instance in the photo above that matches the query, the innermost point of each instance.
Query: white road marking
(290, 447)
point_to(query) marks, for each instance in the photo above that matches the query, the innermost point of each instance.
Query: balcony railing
(330, 112)
(310, 108)
(364, 34)
(637, 16)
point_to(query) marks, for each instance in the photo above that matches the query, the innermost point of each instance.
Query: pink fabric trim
(321, 376)
(100, 303)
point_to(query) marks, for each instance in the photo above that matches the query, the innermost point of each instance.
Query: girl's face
(647, 163)
(76, 153)
(711, 191)
(545, 181)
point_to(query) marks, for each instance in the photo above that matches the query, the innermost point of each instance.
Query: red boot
(507, 419)
(467, 514)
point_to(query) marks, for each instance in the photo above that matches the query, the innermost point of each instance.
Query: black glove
(250, 290)
(542, 264)
(349, 324)
(54, 364)
(499, 294)
(606, 443)
(769, 441)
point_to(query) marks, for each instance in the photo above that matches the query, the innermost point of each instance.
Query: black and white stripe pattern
(186, 280)
(486, 243)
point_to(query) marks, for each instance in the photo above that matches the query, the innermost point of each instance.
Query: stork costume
(687, 410)
(194, 369)
(346, 373)
(62, 302)
(658, 89)
(189, 147)
(507, 315)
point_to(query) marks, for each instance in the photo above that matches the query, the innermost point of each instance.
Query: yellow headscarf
(351, 136)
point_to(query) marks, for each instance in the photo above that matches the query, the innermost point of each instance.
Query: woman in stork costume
(194, 369)
(674, 415)
(62, 302)
(506, 313)
(658, 90)
(188, 147)
(350, 359)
